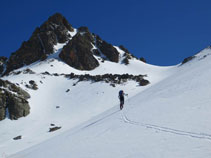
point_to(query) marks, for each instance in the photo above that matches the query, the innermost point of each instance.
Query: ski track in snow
(100, 119)
(168, 130)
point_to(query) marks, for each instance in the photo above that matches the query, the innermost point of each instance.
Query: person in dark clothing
(121, 98)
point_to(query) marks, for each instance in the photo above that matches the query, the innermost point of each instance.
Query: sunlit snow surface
(170, 118)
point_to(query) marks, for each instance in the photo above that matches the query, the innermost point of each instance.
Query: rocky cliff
(13, 101)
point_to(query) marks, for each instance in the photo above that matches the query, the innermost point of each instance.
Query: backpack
(121, 93)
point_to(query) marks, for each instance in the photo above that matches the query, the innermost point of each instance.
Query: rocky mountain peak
(78, 52)
(59, 20)
(83, 29)
(55, 30)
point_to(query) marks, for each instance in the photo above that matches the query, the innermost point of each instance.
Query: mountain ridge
(58, 30)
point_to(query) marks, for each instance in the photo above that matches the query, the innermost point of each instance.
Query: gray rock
(14, 99)
(107, 49)
(77, 53)
(2, 113)
(18, 107)
(2, 105)
(17, 138)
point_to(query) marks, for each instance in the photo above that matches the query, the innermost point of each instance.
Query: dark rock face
(188, 59)
(17, 138)
(83, 29)
(41, 43)
(144, 60)
(125, 60)
(2, 106)
(54, 129)
(18, 107)
(143, 82)
(107, 49)
(77, 53)
(2, 64)
(14, 99)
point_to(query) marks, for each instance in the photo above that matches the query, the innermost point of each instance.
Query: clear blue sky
(162, 31)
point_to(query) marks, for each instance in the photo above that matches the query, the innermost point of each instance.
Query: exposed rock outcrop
(17, 138)
(32, 85)
(2, 106)
(53, 31)
(143, 59)
(14, 100)
(107, 49)
(110, 78)
(127, 55)
(54, 129)
(188, 59)
(78, 52)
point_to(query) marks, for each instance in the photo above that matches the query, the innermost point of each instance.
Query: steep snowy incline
(62, 102)
(169, 119)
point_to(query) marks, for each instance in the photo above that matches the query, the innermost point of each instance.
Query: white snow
(72, 34)
(168, 118)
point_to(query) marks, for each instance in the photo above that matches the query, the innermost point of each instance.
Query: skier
(121, 98)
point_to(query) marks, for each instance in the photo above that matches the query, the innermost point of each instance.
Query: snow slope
(57, 101)
(171, 118)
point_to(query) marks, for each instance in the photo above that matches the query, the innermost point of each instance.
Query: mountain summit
(55, 30)
(80, 46)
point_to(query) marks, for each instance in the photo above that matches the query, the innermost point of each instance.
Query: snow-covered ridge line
(199, 56)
